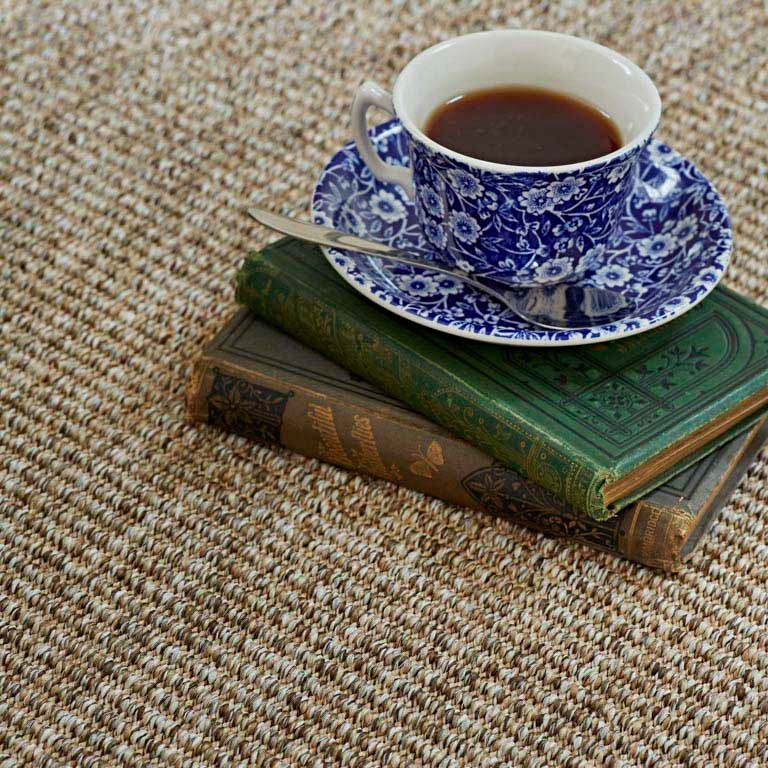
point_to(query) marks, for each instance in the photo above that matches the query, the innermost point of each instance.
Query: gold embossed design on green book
(597, 425)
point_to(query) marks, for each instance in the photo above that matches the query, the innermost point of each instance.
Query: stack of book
(629, 446)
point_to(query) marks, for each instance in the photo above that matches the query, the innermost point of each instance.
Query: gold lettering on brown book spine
(331, 448)
(366, 455)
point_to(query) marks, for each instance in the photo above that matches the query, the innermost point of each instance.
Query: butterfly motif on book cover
(428, 462)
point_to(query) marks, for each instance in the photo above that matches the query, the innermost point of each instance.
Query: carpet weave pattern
(172, 595)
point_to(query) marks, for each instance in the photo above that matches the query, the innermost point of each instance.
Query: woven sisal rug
(172, 595)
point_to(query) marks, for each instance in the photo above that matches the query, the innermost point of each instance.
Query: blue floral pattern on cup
(519, 228)
(669, 250)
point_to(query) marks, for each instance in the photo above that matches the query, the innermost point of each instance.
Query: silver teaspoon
(555, 307)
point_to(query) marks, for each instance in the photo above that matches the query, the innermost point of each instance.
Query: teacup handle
(371, 95)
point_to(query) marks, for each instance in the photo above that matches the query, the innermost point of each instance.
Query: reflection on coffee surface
(518, 125)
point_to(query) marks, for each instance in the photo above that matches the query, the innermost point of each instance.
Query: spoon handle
(316, 233)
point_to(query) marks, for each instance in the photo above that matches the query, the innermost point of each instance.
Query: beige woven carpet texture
(174, 595)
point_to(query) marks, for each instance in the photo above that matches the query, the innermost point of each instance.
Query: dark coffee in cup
(518, 125)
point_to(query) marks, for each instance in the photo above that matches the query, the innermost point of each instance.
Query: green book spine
(574, 420)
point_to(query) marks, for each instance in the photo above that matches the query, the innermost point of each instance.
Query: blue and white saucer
(670, 250)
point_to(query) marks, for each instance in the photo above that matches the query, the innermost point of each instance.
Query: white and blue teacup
(517, 225)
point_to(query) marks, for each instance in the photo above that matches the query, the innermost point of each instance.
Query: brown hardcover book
(257, 381)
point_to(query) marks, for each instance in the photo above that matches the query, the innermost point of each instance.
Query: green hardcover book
(599, 425)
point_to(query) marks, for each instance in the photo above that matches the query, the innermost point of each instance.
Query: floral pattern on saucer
(670, 249)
